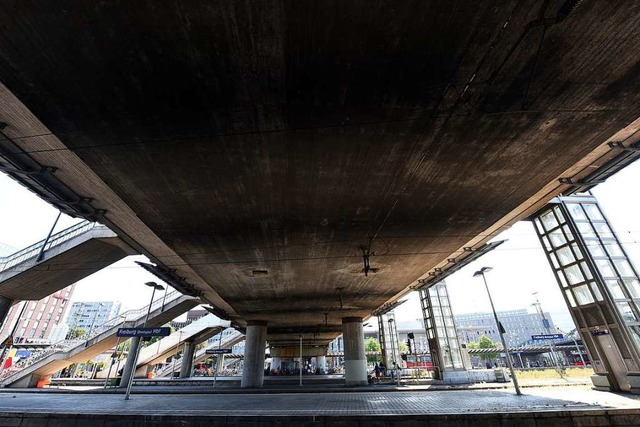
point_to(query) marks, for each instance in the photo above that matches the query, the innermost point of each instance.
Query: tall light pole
(481, 272)
(155, 287)
(547, 326)
(393, 336)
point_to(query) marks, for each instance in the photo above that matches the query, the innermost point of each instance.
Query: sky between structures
(519, 265)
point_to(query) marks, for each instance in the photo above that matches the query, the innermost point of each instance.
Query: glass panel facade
(389, 343)
(615, 289)
(436, 307)
(634, 287)
(593, 212)
(549, 220)
(593, 271)
(582, 295)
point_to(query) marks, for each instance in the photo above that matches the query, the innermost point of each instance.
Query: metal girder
(455, 265)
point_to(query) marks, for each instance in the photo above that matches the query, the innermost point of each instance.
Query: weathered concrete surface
(63, 265)
(553, 407)
(256, 147)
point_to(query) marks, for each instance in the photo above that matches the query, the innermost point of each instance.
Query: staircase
(42, 364)
(69, 255)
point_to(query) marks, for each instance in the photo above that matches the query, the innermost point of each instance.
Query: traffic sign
(143, 332)
(544, 337)
(596, 332)
(218, 351)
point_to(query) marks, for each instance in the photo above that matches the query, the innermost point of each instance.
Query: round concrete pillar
(187, 359)
(321, 363)
(254, 348)
(355, 359)
(275, 363)
(220, 363)
(129, 369)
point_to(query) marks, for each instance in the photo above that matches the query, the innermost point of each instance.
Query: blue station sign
(544, 337)
(143, 332)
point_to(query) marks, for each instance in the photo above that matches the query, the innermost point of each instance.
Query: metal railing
(55, 240)
(66, 345)
(175, 366)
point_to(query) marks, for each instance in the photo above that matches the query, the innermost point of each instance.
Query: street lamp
(546, 325)
(155, 287)
(481, 272)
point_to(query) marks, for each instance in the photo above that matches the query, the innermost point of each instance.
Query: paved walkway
(337, 403)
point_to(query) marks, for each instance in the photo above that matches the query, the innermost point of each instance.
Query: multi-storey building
(37, 319)
(87, 315)
(518, 324)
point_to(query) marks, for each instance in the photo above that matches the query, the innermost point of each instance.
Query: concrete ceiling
(259, 146)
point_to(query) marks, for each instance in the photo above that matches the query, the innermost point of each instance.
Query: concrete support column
(254, 348)
(5, 306)
(129, 369)
(187, 359)
(275, 363)
(321, 363)
(220, 363)
(355, 359)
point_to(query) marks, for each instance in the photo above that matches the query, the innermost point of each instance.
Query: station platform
(541, 406)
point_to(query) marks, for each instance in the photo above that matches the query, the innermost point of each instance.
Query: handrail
(55, 240)
(66, 345)
(174, 367)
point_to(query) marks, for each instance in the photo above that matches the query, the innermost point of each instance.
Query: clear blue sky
(519, 266)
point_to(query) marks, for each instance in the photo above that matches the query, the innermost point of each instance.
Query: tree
(372, 346)
(485, 342)
(124, 346)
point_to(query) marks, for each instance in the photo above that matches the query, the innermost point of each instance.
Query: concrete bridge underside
(263, 149)
(62, 265)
